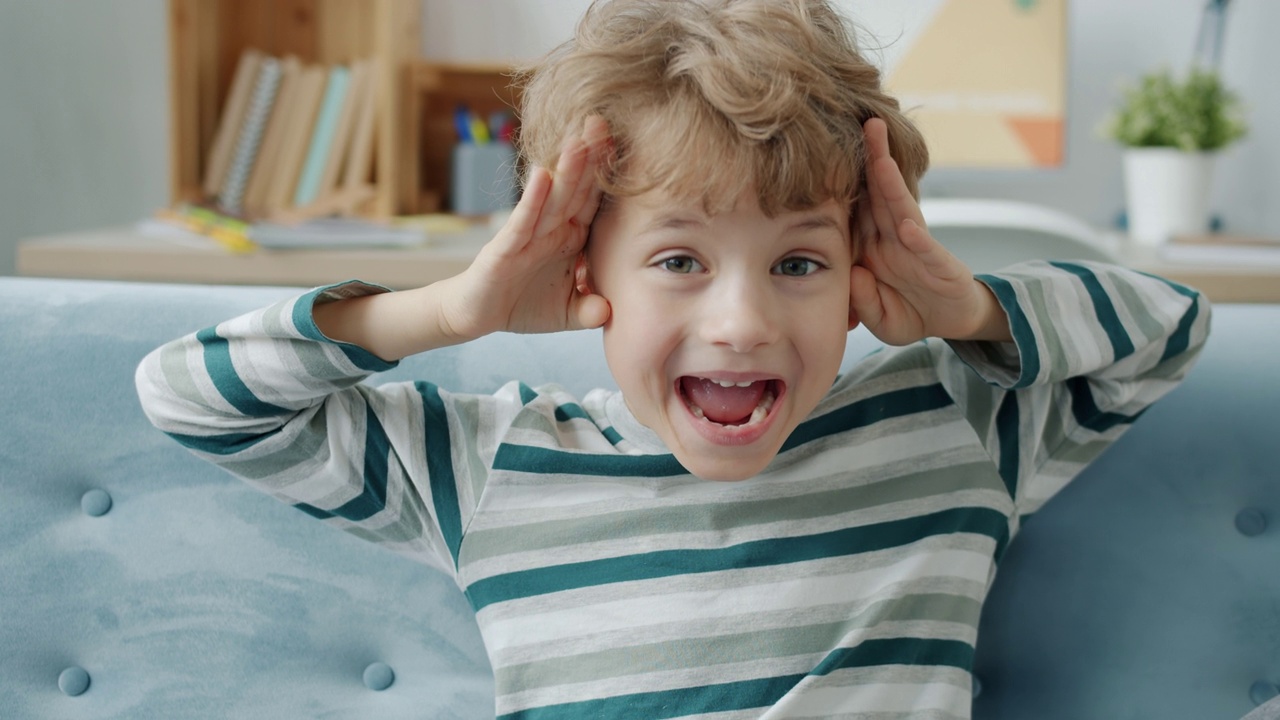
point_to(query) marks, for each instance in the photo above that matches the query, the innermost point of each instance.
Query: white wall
(84, 103)
(1108, 40)
(83, 116)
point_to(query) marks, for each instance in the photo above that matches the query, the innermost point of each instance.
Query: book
(322, 136)
(273, 140)
(359, 165)
(340, 146)
(297, 134)
(231, 196)
(233, 113)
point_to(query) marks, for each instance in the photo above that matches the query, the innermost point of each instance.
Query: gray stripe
(940, 479)
(177, 376)
(310, 447)
(736, 647)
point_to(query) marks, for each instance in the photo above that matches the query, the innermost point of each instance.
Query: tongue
(725, 405)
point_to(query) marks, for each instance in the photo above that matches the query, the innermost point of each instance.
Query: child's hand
(525, 279)
(905, 285)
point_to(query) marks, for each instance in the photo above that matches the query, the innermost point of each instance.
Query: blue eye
(682, 264)
(797, 267)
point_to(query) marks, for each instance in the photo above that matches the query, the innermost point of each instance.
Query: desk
(126, 254)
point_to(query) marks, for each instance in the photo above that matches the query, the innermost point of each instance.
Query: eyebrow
(673, 221)
(815, 222)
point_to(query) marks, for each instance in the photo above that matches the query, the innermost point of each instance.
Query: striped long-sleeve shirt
(846, 580)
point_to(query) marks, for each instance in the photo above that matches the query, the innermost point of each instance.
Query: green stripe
(684, 702)
(1180, 340)
(527, 394)
(525, 458)
(228, 444)
(306, 324)
(765, 692)
(217, 362)
(1019, 326)
(1121, 343)
(444, 489)
(1086, 412)
(612, 435)
(373, 497)
(572, 410)
(752, 554)
(868, 411)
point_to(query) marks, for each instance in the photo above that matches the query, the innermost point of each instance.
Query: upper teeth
(730, 383)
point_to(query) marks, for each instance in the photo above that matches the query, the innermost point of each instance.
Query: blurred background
(85, 116)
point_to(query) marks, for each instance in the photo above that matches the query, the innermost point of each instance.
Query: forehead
(661, 209)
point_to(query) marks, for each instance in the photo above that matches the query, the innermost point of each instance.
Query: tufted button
(73, 681)
(1251, 522)
(977, 686)
(1262, 691)
(95, 503)
(379, 676)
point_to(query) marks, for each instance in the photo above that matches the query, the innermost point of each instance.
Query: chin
(735, 470)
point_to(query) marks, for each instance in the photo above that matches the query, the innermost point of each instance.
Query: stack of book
(294, 141)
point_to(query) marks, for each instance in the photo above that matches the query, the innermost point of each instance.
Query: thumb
(588, 311)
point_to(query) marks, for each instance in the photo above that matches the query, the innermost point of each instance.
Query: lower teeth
(757, 415)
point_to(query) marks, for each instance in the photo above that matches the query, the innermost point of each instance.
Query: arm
(527, 279)
(1093, 347)
(1050, 362)
(275, 397)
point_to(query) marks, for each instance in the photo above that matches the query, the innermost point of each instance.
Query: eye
(681, 264)
(797, 267)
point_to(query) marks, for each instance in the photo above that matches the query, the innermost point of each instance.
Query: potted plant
(1172, 131)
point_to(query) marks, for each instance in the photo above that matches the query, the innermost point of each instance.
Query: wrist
(991, 322)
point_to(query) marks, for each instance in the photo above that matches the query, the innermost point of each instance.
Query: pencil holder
(484, 178)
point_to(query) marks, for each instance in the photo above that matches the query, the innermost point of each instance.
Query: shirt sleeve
(1093, 347)
(269, 398)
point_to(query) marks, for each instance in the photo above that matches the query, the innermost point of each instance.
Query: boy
(738, 532)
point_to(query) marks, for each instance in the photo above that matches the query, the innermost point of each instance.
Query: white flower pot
(1167, 192)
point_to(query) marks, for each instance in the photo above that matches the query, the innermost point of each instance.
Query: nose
(740, 315)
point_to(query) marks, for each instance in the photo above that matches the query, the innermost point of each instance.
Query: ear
(582, 275)
(854, 319)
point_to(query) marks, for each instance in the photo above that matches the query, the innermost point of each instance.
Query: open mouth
(727, 402)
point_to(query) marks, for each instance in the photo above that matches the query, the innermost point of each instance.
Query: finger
(897, 196)
(931, 253)
(564, 184)
(864, 299)
(587, 190)
(518, 229)
(876, 133)
(596, 134)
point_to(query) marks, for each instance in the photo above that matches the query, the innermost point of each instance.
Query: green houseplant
(1172, 130)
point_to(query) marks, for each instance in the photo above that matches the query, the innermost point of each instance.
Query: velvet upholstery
(138, 582)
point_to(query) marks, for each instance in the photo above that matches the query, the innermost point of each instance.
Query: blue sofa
(137, 582)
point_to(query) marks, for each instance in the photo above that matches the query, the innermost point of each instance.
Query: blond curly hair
(708, 98)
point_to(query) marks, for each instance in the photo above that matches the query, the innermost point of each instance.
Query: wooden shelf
(207, 38)
(434, 91)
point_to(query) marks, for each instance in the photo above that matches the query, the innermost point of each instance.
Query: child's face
(699, 301)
